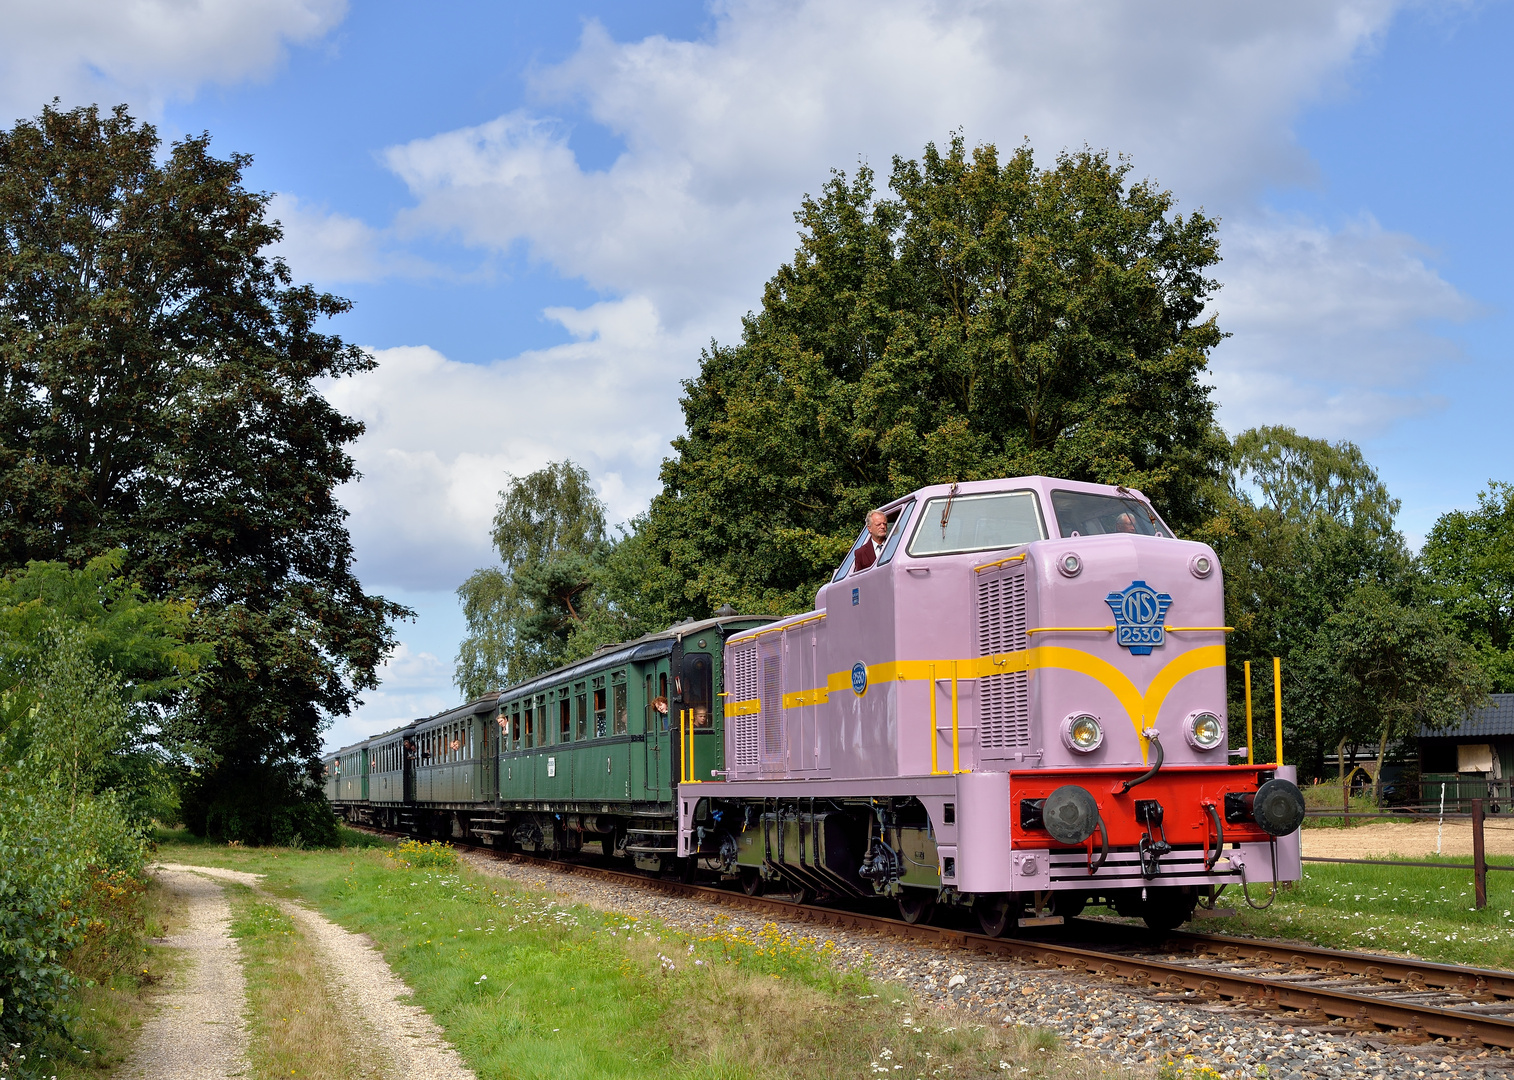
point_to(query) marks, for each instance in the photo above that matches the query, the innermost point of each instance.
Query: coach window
(581, 718)
(601, 714)
(662, 699)
(527, 718)
(564, 717)
(620, 706)
(697, 687)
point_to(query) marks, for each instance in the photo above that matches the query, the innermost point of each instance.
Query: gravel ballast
(1103, 1017)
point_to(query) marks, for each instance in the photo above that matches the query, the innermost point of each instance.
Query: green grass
(1327, 796)
(298, 1025)
(525, 986)
(1421, 912)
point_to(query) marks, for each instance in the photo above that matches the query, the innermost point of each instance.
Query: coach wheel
(915, 905)
(995, 913)
(751, 881)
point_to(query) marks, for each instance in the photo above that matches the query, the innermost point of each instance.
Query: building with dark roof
(1475, 758)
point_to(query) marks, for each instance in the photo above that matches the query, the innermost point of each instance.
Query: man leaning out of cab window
(871, 549)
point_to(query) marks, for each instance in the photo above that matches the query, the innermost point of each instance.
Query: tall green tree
(986, 318)
(1469, 557)
(564, 585)
(159, 394)
(1385, 668)
(1317, 573)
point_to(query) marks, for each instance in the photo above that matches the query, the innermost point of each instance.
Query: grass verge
(298, 1025)
(1425, 913)
(525, 986)
(116, 997)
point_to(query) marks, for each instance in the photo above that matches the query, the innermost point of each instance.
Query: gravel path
(200, 1031)
(1411, 839)
(1103, 1017)
(411, 1045)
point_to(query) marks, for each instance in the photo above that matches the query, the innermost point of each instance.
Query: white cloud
(1334, 329)
(722, 136)
(324, 246)
(442, 436)
(144, 52)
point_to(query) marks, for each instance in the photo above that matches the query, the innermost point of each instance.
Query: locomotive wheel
(1168, 909)
(916, 905)
(1069, 905)
(995, 914)
(751, 881)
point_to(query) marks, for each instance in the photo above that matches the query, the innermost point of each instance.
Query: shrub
(259, 805)
(424, 854)
(70, 871)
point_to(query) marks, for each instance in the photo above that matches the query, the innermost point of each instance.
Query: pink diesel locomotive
(1019, 705)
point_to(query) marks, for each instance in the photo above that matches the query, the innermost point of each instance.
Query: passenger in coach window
(871, 549)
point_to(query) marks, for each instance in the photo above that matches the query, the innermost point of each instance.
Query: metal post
(1277, 703)
(1250, 746)
(1479, 859)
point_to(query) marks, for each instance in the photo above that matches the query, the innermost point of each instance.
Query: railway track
(1366, 992)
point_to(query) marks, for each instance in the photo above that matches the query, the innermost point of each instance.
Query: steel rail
(1320, 1003)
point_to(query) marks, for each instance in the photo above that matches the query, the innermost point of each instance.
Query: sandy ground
(1411, 839)
(199, 1032)
(414, 1046)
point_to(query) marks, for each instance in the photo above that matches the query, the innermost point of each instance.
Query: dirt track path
(200, 1031)
(414, 1047)
(1412, 840)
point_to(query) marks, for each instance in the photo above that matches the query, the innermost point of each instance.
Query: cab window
(1082, 514)
(955, 524)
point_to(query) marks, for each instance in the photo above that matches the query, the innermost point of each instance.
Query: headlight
(1082, 732)
(1205, 730)
(1201, 566)
(1070, 564)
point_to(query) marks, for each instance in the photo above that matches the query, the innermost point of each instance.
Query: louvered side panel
(772, 704)
(746, 729)
(1004, 709)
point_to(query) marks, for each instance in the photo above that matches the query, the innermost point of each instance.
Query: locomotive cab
(1014, 699)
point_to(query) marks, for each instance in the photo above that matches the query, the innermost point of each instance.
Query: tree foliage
(988, 318)
(1317, 573)
(554, 596)
(1469, 557)
(159, 394)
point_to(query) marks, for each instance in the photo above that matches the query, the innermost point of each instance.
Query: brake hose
(1156, 766)
(1219, 832)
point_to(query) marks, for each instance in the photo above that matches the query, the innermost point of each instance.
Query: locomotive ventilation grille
(772, 707)
(744, 688)
(1005, 717)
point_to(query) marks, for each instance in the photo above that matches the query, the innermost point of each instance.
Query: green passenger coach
(592, 751)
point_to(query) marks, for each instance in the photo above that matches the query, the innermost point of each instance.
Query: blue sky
(544, 211)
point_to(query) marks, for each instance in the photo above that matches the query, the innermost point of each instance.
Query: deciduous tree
(160, 394)
(987, 318)
(1469, 557)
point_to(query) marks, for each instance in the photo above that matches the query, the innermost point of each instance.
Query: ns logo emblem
(1140, 615)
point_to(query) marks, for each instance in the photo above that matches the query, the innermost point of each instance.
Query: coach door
(488, 765)
(659, 744)
(409, 782)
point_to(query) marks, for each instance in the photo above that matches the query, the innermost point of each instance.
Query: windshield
(998, 519)
(1081, 514)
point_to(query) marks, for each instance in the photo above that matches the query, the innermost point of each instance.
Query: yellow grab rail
(1277, 703)
(1250, 750)
(956, 750)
